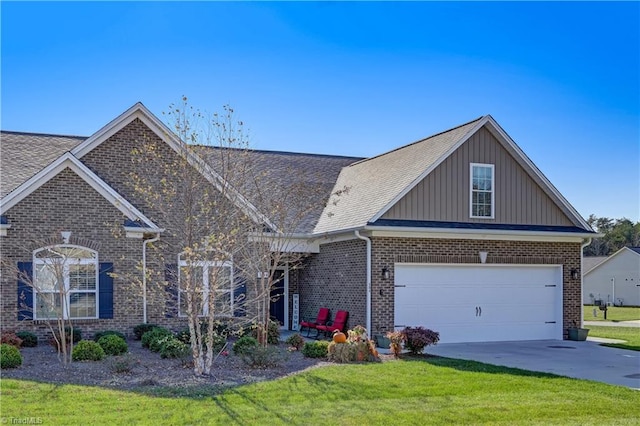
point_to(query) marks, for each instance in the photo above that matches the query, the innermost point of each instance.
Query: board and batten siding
(443, 195)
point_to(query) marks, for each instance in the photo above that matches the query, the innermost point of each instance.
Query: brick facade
(336, 277)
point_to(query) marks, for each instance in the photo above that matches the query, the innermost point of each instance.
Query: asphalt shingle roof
(22, 155)
(373, 183)
(287, 174)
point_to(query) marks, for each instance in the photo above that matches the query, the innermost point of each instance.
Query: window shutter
(25, 291)
(105, 295)
(239, 297)
(171, 278)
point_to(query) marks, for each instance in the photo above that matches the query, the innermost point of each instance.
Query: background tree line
(618, 233)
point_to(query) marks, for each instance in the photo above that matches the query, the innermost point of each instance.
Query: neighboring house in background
(615, 280)
(459, 232)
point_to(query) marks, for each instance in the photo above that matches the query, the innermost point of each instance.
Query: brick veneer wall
(387, 251)
(334, 278)
(67, 203)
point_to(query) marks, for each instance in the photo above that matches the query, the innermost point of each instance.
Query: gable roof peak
(474, 121)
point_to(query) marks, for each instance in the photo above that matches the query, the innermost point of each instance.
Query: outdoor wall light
(574, 274)
(385, 273)
(483, 256)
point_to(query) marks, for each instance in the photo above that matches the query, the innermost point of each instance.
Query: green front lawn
(614, 313)
(630, 334)
(435, 391)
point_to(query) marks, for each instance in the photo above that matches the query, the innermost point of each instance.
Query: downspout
(368, 240)
(582, 247)
(144, 275)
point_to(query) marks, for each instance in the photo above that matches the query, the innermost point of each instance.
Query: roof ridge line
(280, 152)
(418, 141)
(16, 132)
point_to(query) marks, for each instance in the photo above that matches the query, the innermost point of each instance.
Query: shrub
(101, 334)
(417, 338)
(69, 332)
(317, 349)
(261, 356)
(9, 356)
(29, 340)
(396, 338)
(151, 336)
(273, 332)
(121, 364)
(113, 344)
(10, 338)
(295, 340)
(171, 347)
(244, 344)
(87, 350)
(140, 329)
(219, 337)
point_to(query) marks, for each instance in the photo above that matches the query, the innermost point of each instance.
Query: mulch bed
(148, 369)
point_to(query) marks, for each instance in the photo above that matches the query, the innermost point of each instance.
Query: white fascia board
(572, 211)
(138, 232)
(67, 160)
(431, 168)
(622, 250)
(141, 112)
(477, 234)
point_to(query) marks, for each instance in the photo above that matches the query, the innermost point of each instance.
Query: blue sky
(563, 79)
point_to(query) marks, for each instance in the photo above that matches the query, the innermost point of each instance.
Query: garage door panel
(466, 303)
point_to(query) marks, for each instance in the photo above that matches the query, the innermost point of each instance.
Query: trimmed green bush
(140, 329)
(171, 347)
(244, 344)
(150, 337)
(87, 350)
(10, 356)
(113, 345)
(29, 340)
(295, 340)
(261, 356)
(317, 349)
(101, 334)
(77, 334)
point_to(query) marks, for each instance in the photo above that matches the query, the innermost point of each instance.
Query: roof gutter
(368, 309)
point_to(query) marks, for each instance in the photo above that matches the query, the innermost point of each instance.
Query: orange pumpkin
(339, 337)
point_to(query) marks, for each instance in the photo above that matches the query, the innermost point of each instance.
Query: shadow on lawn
(475, 366)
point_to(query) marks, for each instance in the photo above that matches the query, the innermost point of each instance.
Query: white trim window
(210, 283)
(482, 194)
(65, 282)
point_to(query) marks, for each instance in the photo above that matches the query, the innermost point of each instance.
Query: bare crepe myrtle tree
(203, 215)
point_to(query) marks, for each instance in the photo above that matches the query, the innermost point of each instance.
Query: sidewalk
(633, 324)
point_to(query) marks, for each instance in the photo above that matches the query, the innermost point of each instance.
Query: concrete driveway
(581, 360)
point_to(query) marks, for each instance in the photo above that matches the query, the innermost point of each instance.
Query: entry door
(278, 296)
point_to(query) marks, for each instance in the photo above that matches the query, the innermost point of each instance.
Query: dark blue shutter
(105, 295)
(25, 291)
(239, 297)
(171, 278)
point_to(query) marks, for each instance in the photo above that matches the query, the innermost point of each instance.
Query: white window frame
(205, 265)
(492, 191)
(66, 305)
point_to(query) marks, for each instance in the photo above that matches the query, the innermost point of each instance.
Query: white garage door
(480, 303)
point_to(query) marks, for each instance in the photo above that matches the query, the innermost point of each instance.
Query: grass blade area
(425, 391)
(614, 313)
(630, 334)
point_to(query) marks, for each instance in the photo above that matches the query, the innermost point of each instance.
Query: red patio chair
(321, 319)
(339, 323)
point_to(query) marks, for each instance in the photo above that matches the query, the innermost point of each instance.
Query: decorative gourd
(339, 337)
